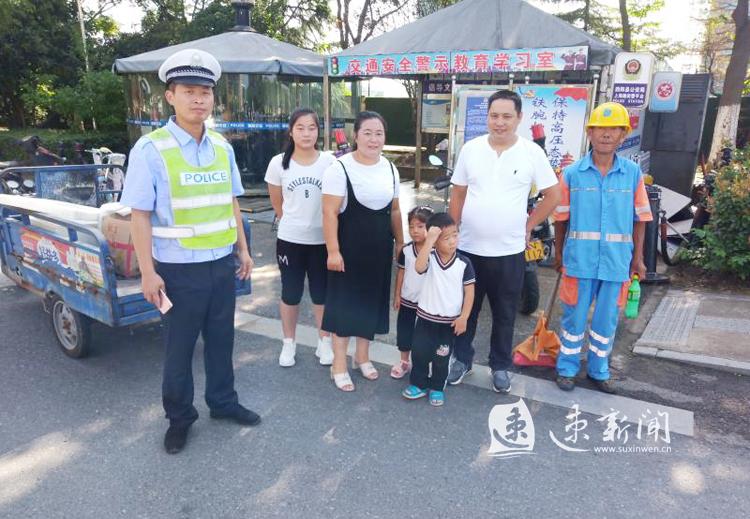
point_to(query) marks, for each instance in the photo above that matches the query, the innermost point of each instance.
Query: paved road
(83, 438)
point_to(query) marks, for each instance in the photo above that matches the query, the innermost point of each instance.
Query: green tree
(630, 26)
(360, 20)
(298, 22)
(427, 7)
(97, 96)
(37, 40)
(735, 80)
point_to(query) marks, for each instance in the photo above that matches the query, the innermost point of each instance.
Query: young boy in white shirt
(443, 309)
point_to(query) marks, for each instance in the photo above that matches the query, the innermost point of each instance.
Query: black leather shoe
(175, 438)
(239, 414)
(605, 386)
(566, 383)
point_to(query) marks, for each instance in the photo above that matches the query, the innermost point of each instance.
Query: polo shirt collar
(587, 162)
(183, 137)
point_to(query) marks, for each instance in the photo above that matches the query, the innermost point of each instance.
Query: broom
(542, 347)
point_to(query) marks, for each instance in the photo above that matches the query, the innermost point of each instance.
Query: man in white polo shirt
(491, 185)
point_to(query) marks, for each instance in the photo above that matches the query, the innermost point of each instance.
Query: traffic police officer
(181, 185)
(599, 229)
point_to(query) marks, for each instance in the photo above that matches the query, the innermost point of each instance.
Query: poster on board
(436, 113)
(631, 146)
(553, 115)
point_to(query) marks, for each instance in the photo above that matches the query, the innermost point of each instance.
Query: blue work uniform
(600, 210)
(199, 282)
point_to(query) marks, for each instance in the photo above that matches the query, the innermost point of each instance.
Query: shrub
(725, 241)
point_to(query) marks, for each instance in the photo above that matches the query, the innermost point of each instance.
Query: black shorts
(407, 318)
(295, 260)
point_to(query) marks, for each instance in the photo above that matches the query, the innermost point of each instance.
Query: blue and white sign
(665, 92)
(632, 79)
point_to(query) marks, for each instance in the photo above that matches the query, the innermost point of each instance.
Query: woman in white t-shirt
(294, 184)
(361, 218)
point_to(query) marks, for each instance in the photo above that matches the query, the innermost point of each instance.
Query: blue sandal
(437, 398)
(412, 392)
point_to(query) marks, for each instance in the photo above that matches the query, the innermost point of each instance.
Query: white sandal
(367, 369)
(401, 369)
(342, 381)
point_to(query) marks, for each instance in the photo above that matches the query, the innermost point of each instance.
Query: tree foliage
(37, 41)
(98, 96)
(360, 20)
(607, 23)
(42, 79)
(735, 80)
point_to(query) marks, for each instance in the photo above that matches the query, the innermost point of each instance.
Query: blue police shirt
(147, 189)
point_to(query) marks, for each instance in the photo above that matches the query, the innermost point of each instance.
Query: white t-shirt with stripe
(442, 295)
(413, 281)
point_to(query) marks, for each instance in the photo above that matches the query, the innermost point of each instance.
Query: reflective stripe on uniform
(597, 337)
(563, 209)
(642, 209)
(194, 202)
(621, 238)
(191, 231)
(583, 235)
(570, 337)
(598, 352)
(570, 351)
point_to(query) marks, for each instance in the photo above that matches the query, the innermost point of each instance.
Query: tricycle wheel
(72, 329)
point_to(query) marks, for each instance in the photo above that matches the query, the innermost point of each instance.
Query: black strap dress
(357, 299)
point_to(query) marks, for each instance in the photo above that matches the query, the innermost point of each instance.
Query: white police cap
(190, 67)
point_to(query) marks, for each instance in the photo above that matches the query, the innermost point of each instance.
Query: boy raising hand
(443, 309)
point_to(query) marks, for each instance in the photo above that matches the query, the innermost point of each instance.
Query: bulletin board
(558, 112)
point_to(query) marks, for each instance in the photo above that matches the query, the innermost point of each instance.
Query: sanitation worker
(599, 229)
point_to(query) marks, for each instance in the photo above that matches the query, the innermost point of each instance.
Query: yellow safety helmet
(609, 114)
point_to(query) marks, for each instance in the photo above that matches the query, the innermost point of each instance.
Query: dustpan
(542, 347)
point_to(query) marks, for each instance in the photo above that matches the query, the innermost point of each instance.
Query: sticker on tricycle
(81, 264)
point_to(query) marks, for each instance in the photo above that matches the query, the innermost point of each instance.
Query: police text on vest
(204, 177)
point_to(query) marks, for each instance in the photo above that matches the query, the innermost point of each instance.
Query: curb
(733, 366)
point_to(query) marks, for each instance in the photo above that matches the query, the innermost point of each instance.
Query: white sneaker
(288, 350)
(324, 351)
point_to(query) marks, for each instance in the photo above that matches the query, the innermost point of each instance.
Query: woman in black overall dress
(360, 246)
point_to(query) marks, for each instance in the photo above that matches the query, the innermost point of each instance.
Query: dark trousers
(433, 343)
(501, 280)
(203, 298)
(405, 323)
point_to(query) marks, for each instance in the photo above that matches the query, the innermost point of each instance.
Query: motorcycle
(111, 179)
(698, 214)
(541, 245)
(35, 154)
(12, 183)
